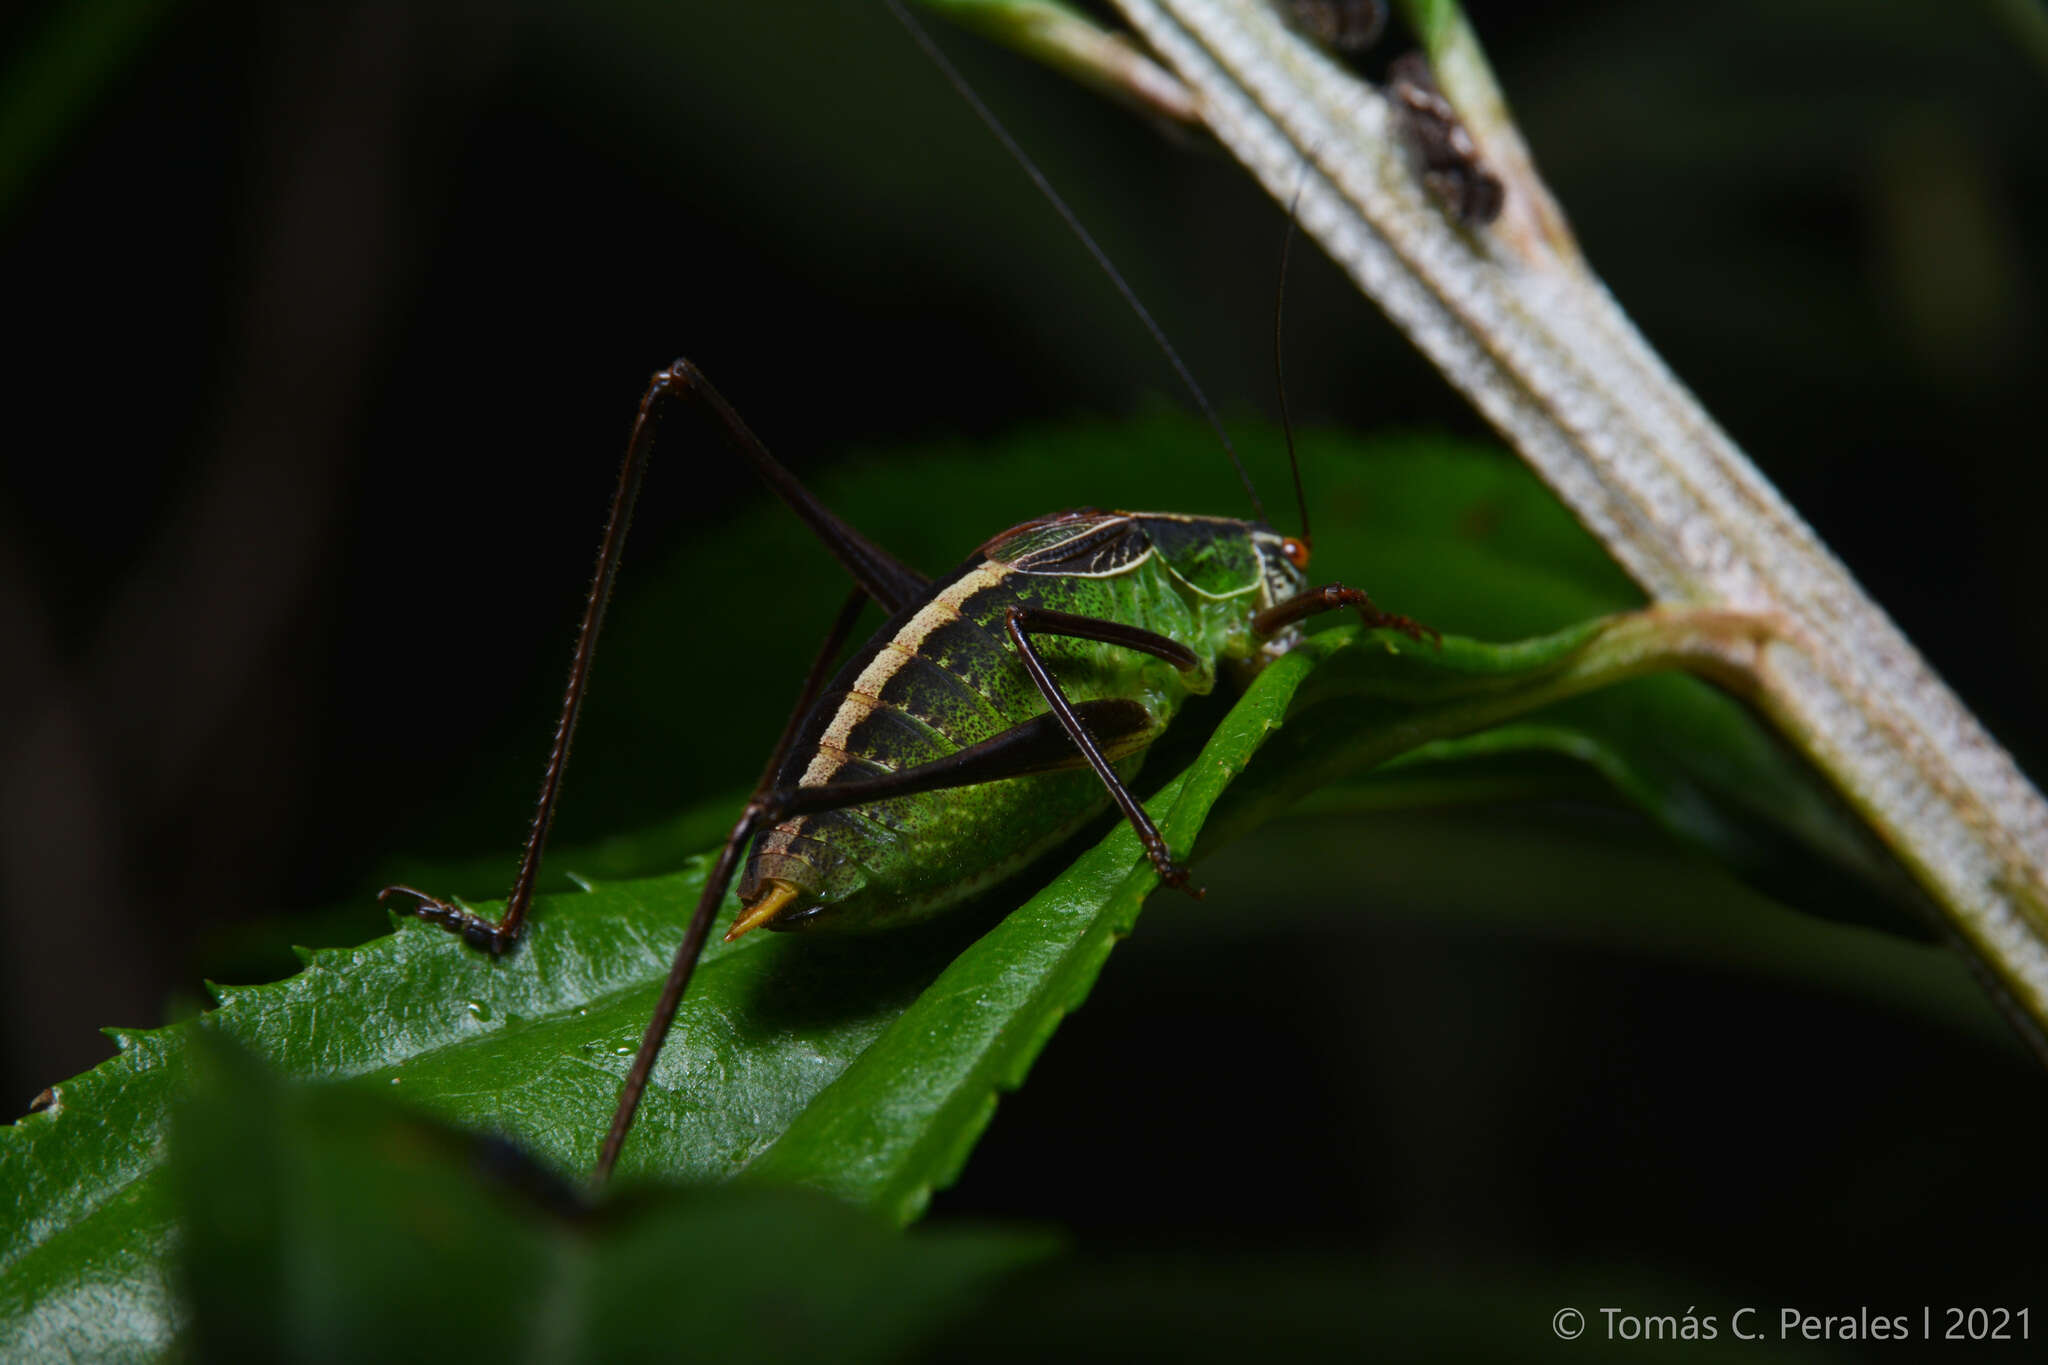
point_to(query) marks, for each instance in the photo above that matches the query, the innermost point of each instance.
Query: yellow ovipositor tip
(772, 903)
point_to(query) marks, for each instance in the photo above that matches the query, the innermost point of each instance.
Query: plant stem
(1515, 320)
(1069, 41)
(1329, 739)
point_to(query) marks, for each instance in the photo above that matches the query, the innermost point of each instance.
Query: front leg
(1337, 597)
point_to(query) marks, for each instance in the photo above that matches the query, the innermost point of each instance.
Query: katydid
(997, 711)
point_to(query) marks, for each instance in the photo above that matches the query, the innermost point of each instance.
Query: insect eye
(1296, 552)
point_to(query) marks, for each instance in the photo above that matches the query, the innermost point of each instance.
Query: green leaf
(1697, 764)
(865, 1067)
(533, 1046)
(300, 1205)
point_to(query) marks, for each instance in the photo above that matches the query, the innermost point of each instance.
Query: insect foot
(1375, 619)
(1175, 875)
(476, 931)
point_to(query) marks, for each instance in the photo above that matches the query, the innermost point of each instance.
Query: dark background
(329, 326)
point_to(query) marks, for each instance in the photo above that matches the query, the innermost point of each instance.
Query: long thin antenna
(995, 125)
(1279, 370)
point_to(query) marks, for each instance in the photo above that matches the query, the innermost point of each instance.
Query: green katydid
(997, 711)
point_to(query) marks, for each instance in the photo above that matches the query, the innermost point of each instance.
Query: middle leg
(1024, 622)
